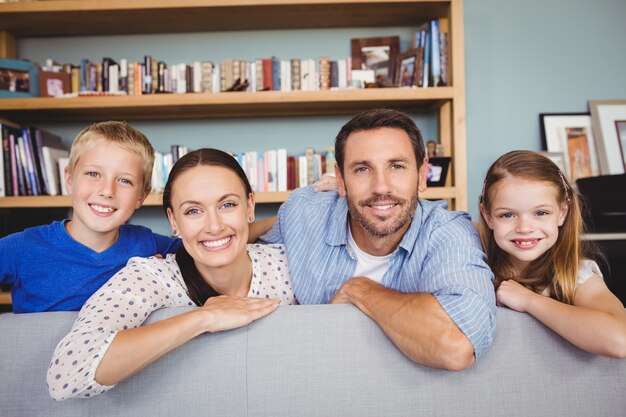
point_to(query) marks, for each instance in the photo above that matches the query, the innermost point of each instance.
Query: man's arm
(259, 228)
(416, 323)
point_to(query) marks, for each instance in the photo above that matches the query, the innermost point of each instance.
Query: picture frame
(53, 84)
(383, 74)
(371, 53)
(572, 135)
(437, 171)
(609, 125)
(18, 78)
(408, 71)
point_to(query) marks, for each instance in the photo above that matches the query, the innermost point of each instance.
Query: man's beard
(375, 228)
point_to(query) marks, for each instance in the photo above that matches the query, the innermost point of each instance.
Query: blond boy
(56, 267)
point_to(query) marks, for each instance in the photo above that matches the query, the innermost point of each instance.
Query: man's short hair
(120, 133)
(376, 119)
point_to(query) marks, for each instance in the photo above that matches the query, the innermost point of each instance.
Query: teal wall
(521, 58)
(528, 57)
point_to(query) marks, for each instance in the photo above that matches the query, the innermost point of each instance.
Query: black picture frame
(437, 171)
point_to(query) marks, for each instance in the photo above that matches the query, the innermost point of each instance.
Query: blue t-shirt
(49, 271)
(440, 254)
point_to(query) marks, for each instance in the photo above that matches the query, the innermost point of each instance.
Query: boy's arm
(165, 244)
(10, 253)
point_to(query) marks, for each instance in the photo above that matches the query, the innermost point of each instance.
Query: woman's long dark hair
(197, 288)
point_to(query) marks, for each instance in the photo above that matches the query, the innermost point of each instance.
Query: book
(443, 43)
(267, 74)
(51, 158)
(435, 53)
(20, 158)
(44, 138)
(63, 162)
(5, 161)
(29, 162)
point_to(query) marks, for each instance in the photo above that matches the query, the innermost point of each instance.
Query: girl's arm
(596, 322)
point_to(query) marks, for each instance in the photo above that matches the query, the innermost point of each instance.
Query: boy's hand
(326, 183)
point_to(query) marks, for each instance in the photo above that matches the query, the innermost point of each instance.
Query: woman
(209, 203)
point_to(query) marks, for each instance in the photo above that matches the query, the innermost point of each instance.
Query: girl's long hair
(557, 269)
(197, 288)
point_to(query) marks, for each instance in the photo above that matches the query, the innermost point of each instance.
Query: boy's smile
(106, 188)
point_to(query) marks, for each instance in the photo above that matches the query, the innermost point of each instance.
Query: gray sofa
(320, 361)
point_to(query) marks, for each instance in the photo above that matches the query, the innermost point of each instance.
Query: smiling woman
(209, 204)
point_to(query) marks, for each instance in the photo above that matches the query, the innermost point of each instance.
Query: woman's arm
(133, 349)
(596, 322)
(106, 344)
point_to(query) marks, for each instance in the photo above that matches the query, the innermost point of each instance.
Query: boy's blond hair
(120, 133)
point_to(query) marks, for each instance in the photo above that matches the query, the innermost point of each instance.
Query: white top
(586, 269)
(125, 301)
(370, 266)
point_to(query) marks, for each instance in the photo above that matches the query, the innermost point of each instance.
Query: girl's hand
(514, 295)
(226, 312)
(326, 183)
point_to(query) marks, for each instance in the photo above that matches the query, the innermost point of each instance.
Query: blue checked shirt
(439, 254)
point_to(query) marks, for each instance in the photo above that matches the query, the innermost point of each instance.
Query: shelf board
(116, 17)
(5, 297)
(231, 104)
(48, 201)
(152, 200)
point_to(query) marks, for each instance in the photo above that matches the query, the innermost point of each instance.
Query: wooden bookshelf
(123, 17)
(152, 200)
(5, 297)
(93, 17)
(117, 17)
(213, 105)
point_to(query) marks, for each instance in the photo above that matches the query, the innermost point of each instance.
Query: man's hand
(358, 285)
(436, 341)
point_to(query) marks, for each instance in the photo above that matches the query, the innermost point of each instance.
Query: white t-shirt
(370, 266)
(586, 269)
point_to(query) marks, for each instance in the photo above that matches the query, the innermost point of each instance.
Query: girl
(531, 228)
(209, 203)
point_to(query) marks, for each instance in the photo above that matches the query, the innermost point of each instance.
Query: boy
(57, 267)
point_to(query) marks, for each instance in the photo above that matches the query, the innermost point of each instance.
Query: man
(412, 266)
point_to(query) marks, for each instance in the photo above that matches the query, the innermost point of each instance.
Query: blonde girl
(531, 228)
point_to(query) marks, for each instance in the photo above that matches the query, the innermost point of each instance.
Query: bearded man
(411, 265)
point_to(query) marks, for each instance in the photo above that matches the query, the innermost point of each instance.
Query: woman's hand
(514, 295)
(226, 312)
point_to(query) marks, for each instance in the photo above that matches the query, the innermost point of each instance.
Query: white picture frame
(571, 134)
(608, 116)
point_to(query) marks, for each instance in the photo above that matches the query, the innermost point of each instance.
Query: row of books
(432, 40)
(151, 76)
(29, 164)
(267, 171)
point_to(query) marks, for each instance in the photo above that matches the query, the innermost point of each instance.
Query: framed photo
(371, 53)
(18, 78)
(383, 75)
(407, 68)
(53, 84)
(572, 135)
(609, 126)
(437, 171)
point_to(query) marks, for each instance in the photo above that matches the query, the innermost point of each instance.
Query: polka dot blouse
(127, 299)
